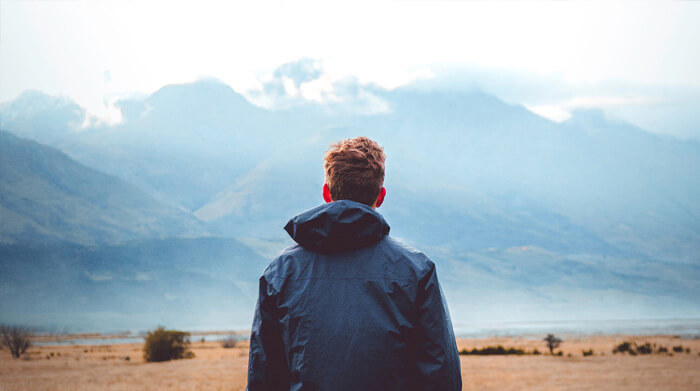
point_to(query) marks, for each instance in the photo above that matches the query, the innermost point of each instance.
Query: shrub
(536, 352)
(644, 349)
(635, 349)
(622, 348)
(678, 349)
(229, 342)
(587, 353)
(164, 345)
(492, 351)
(16, 338)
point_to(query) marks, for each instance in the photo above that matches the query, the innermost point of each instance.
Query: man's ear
(327, 193)
(380, 197)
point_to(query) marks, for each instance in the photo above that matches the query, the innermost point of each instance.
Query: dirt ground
(121, 367)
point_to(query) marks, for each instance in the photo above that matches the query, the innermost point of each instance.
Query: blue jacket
(350, 308)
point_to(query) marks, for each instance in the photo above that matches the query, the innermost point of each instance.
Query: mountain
(526, 218)
(615, 181)
(48, 197)
(494, 174)
(41, 117)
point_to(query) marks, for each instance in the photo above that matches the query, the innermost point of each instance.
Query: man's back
(350, 308)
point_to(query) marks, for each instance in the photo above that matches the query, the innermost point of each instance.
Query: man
(348, 307)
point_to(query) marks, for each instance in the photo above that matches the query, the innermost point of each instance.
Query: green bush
(678, 349)
(164, 345)
(587, 353)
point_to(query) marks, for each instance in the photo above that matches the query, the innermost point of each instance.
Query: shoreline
(124, 335)
(688, 328)
(87, 339)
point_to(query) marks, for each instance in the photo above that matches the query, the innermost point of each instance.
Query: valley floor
(106, 368)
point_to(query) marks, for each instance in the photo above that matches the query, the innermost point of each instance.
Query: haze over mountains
(526, 218)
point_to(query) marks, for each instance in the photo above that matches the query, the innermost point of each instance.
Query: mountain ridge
(48, 196)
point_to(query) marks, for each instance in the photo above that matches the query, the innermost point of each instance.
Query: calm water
(132, 339)
(686, 328)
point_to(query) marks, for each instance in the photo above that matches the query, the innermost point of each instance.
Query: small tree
(165, 345)
(16, 338)
(552, 343)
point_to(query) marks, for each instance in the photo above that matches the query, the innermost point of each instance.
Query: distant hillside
(181, 144)
(188, 283)
(45, 196)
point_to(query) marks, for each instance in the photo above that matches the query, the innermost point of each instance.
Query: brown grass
(103, 368)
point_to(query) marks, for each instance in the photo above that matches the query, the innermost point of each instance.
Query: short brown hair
(355, 170)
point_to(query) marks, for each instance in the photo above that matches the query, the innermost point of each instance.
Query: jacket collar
(338, 226)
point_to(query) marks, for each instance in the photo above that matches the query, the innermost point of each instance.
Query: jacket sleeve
(267, 364)
(437, 356)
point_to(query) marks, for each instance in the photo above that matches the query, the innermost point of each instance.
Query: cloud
(552, 112)
(305, 81)
(142, 277)
(236, 41)
(562, 111)
(110, 115)
(99, 277)
(300, 71)
(660, 109)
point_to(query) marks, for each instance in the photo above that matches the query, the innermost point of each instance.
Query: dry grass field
(106, 368)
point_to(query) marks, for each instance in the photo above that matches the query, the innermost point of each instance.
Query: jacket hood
(338, 226)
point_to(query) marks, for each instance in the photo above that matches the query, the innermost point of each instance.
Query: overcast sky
(638, 61)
